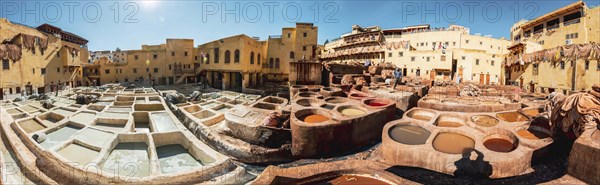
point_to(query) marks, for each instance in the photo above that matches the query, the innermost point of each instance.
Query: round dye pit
(335, 100)
(532, 134)
(512, 117)
(448, 124)
(408, 134)
(349, 111)
(423, 115)
(315, 118)
(485, 120)
(453, 143)
(499, 145)
(348, 179)
(377, 102)
(449, 120)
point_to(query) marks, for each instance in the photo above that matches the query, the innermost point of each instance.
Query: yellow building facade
(431, 53)
(231, 63)
(47, 56)
(539, 58)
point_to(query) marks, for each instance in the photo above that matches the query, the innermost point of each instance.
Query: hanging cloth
(584, 50)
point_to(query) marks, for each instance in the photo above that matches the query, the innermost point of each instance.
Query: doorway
(454, 66)
(487, 79)
(481, 79)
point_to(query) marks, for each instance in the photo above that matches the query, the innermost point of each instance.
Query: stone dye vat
(467, 104)
(404, 100)
(335, 125)
(477, 144)
(584, 157)
(111, 145)
(338, 172)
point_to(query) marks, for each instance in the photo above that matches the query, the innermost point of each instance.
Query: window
(58, 54)
(571, 18)
(292, 55)
(453, 43)
(44, 71)
(572, 35)
(155, 56)
(527, 34)
(539, 28)
(562, 64)
(587, 64)
(136, 57)
(476, 61)
(481, 43)
(33, 71)
(597, 65)
(173, 53)
(155, 70)
(5, 64)
(464, 58)
(236, 56)
(252, 57)
(134, 70)
(401, 54)
(58, 69)
(412, 59)
(305, 34)
(227, 56)
(553, 24)
(207, 56)
(170, 67)
(303, 48)
(389, 54)
(541, 42)
(185, 53)
(492, 63)
(106, 71)
(258, 59)
(467, 41)
(443, 58)
(147, 70)
(277, 63)
(196, 58)
(289, 35)
(427, 59)
(216, 53)
(271, 63)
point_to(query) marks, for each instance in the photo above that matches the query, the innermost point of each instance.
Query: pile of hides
(47, 104)
(443, 83)
(196, 96)
(387, 73)
(576, 113)
(347, 80)
(176, 98)
(470, 90)
(84, 99)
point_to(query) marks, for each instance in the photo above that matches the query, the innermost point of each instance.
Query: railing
(574, 21)
(274, 36)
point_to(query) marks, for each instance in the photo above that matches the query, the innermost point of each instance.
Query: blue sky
(129, 24)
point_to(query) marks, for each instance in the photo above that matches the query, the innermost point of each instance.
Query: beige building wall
(549, 76)
(38, 68)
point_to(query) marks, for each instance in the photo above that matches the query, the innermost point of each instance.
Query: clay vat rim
(502, 134)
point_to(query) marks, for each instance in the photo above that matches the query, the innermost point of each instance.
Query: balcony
(569, 22)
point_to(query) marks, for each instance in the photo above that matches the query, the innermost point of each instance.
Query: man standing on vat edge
(398, 76)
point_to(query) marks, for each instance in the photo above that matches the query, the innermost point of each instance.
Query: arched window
(292, 55)
(227, 56)
(271, 63)
(207, 58)
(277, 63)
(252, 57)
(236, 57)
(258, 62)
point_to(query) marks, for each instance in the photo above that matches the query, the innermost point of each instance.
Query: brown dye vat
(335, 100)
(358, 95)
(484, 120)
(304, 102)
(348, 179)
(408, 134)
(531, 112)
(448, 124)
(512, 117)
(499, 145)
(453, 143)
(532, 134)
(315, 118)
